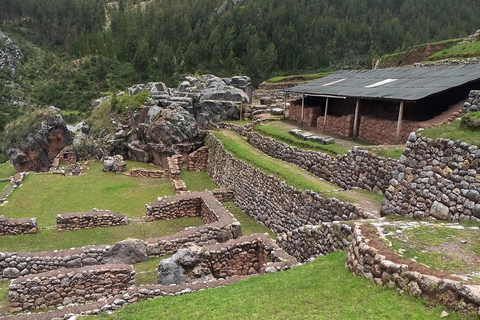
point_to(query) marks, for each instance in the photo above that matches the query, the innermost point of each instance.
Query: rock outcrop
(37, 151)
(10, 54)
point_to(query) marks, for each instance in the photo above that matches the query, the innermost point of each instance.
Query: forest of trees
(162, 40)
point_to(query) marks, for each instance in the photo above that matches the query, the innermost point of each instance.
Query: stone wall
(310, 114)
(364, 260)
(342, 125)
(63, 287)
(312, 241)
(175, 164)
(357, 169)
(10, 226)
(144, 173)
(89, 219)
(382, 131)
(435, 178)
(197, 160)
(224, 194)
(270, 201)
(67, 155)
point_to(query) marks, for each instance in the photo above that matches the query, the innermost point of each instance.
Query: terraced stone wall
(435, 178)
(357, 169)
(64, 287)
(89, 219)
(270, 201)
(364, 260)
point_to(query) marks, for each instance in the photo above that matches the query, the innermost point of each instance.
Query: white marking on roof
(381, 83)
(327, 84)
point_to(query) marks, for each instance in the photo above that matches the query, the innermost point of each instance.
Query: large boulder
(173, 125)
(114, 164)
(210, 112)
(128, 251)
(42, 144)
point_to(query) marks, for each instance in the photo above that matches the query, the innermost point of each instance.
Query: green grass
(197, 181)
(301, 77)
(420, 242)
(386, 152)
(275, 130)
(466, 50)
(44, 195)
(135, 164)
(354, 196)
(4, 297)
(50, 239)
(291, 174)
(6, 170)
(452, 131)
(146, 272)
(3, 185)
(323, 289)
(249, 225)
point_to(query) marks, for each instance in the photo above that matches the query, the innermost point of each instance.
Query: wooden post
(325, 117)
(303, 105)
(284, 96)
(399, 123)
(355, 121)
(241, 110)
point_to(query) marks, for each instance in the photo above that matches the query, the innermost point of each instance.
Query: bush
(19, 129)
(471, 121)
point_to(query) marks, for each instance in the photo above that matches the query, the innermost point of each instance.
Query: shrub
(20, 128)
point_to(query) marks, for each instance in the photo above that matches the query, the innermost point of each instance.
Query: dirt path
(366, 202)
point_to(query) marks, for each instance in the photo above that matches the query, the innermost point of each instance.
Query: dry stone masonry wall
(310, 241)
(364, 260)
(435, 178)
(270, 201)
(197, 160)
(63, 287)
(144, 173)
(89, 219)
(10, 226)
(357, 169)
(380, 131)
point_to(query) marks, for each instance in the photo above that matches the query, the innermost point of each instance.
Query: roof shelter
(404, 85)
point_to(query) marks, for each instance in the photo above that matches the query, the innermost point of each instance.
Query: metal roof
(405, 84)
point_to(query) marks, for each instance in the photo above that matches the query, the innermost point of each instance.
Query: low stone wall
(63, 287)
(224, 194)
(197, 160)
(89, 219)
(435, 178)
(16, 264)
(381, 131)
(175, 167)
(270, 201)
(338, 125)
(67, 155)
(132, 295)
(241, 130)
(364, 260)
(246, 255)
(144, 173)
(10, 226)
(179, 186)
(357, 169)
(310, 241)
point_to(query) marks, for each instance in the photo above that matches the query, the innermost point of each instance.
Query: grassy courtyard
(45, 195)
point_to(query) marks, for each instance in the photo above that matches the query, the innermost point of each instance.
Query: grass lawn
(6, 170)
(277, 130)
(239, 122)
(292, 174)
(135, 164)
(323, 289)
(4, 297)
(452, 131)
(465, 50)
(393, 152)
(3, 185)
(146, 272)
(197, 180)
(249, 225)
(45, 195)
(50, 239)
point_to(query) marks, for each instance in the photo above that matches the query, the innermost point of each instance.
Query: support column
(399, 123)
(284, 96)
(303, 106)
(355, 121)
(325, 116)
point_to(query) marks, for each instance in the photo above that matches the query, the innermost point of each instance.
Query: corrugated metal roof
(406, 84)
